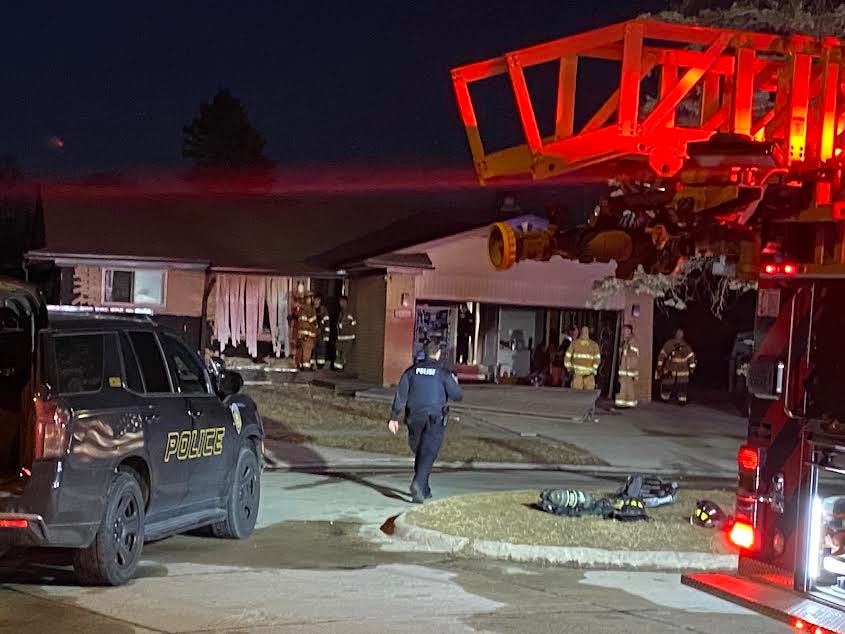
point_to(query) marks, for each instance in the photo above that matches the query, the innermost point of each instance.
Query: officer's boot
(417, 496)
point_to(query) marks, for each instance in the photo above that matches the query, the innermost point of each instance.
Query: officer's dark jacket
(424, 389)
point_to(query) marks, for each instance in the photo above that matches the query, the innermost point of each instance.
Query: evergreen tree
(221, 136)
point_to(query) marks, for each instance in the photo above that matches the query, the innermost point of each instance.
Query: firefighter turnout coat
(347, 329)
(675, 364)
(307, 334)
(582, 359)
(629, 373)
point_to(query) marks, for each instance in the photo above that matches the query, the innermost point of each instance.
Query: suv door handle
(195, 413)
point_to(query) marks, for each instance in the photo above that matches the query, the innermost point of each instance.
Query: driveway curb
(436, 541)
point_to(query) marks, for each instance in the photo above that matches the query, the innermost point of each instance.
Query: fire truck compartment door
(781, 603)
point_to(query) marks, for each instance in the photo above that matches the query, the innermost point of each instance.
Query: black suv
(113, 432)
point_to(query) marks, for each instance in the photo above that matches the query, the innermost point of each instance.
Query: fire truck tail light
(771, 269)
(14, 523)
(742, 535)
(789, 269)
(748, 458)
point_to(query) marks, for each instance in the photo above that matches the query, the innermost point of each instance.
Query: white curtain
(239, 311)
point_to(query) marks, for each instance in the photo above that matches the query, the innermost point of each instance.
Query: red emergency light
(787, 268)
(742, 535)
(748, 458)
(14, 523)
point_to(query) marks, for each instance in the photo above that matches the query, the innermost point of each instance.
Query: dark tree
(222, 136)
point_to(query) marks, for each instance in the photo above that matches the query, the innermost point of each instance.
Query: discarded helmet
(708, 514)
(629, 510)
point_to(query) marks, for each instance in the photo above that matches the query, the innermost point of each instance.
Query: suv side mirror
(229, 383)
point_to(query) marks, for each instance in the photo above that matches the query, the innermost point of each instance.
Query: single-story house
(411, 260)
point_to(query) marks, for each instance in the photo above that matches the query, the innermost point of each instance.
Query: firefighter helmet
(708, 514)
(629, 510)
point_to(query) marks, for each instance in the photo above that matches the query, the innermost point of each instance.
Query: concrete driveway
(317, 563)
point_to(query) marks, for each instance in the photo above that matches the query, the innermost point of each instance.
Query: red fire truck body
(757, 179)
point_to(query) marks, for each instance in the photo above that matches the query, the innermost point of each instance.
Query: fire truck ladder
(721, 72)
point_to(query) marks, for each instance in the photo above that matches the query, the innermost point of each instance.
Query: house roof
(302, 233)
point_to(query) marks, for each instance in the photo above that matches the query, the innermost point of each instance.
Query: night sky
(358, 83)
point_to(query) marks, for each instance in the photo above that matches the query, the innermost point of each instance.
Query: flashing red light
(771, 269)
(748, 458)
(818, 630)
(14, 523)
(799, 625)
(742, 535)
(790, 269)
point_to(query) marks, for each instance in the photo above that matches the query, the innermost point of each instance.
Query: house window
(144, 288)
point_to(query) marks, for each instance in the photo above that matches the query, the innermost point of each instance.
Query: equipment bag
(652, 490)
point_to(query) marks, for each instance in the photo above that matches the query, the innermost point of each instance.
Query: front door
(215, 430)
(165, 418)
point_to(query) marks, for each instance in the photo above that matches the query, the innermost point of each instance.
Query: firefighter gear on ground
(629, 373)
(347, 329)
(629, 510)
(307, 334)
(675, 365)
(583, 358)
(653, 491)
(323, 335)
(708, 514)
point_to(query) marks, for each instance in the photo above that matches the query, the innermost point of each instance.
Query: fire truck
(725, 143)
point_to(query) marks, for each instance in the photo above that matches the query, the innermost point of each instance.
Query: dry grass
(473, 449)
(304, 407)
(509, 517)
(304, 413)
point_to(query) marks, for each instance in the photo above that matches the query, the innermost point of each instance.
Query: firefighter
(323, 328)
(293, 328)
(347, 328)
(629, 369)
(675, 365)
(583, 358)
(307, 332)
(424, 392)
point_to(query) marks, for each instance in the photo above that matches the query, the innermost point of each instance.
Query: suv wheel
(244, 497)
(113, 556)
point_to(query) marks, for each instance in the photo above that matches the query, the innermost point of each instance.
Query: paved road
(317, 563)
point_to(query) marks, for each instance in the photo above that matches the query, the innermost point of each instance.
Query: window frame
(206, 377)
(104, 275)
(147, 393)
(55, 362)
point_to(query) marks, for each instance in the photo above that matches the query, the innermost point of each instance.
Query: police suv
(113, 432)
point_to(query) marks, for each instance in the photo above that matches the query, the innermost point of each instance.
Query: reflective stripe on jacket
(629, 359)
(347, 327)
(583, 357)
(307, 321)
(676, 358)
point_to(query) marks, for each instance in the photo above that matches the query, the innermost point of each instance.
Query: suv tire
(113, 556)
(244, 498)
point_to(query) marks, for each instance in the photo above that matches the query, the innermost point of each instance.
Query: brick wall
(644, 334)
(367, 303)
(399, 326)
(184, 293)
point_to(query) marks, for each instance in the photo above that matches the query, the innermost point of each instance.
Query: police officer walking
(424, 392)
